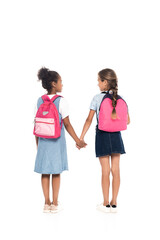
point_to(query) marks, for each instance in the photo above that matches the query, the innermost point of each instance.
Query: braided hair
(47, 77)
(109, 75)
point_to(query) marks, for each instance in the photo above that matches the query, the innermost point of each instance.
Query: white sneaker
(103, 208)
(56, 209)
(46, 208)
(113, 208)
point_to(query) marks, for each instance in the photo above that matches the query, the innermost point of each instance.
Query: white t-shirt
(63, 106)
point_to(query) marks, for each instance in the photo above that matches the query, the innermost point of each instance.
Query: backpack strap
(55, 97)
(46, 98)
(103, 97)
(101, 102)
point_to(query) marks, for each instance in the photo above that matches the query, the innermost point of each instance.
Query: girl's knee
(115, 171)
(106, 171)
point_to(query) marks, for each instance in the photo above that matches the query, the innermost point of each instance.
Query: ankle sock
(107, 205)
(114, 206)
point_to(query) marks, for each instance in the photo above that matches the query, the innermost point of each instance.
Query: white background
(77, 39)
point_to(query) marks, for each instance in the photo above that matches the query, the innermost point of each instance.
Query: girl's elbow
(89, 121)
(128, 121)
(66, 125)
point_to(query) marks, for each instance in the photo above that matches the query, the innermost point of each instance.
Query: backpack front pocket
(45, 126)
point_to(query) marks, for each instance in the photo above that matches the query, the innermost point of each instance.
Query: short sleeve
(37, 105)
(39, 102)
(93, 104)
(63, 107)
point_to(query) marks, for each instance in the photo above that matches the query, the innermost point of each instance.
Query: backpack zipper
(37, 121)
(44, 122)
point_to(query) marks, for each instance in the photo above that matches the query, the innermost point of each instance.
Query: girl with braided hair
(107, 144)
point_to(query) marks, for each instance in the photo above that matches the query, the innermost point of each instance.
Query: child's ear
(105, 82)
(53, 84)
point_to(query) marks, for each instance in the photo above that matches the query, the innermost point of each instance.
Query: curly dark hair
(111, 77)
(47, 77)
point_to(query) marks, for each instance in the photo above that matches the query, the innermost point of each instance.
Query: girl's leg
(55, 187)
(45, 179)
(104, 161)
(115, 158)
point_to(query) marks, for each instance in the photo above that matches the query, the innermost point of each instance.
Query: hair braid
(114, 102)
(112, 84)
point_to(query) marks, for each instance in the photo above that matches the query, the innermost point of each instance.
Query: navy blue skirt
(108, 142)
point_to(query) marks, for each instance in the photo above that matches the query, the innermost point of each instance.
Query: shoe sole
(113, 210)
(101, 210)
(56, 211)
(53, 212)
(46, 211)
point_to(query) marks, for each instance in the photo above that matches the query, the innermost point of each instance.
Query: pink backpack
(46, 122)
(106, 123)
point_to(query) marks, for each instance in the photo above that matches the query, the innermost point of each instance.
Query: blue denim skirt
(108, 142)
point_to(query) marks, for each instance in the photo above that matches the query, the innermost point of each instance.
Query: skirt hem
(109, 154)
(41, 172)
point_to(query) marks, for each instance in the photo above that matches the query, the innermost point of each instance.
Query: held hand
(80, 144)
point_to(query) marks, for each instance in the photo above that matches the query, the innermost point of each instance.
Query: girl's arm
(87, 123)
(128, 119)
(71, 131)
